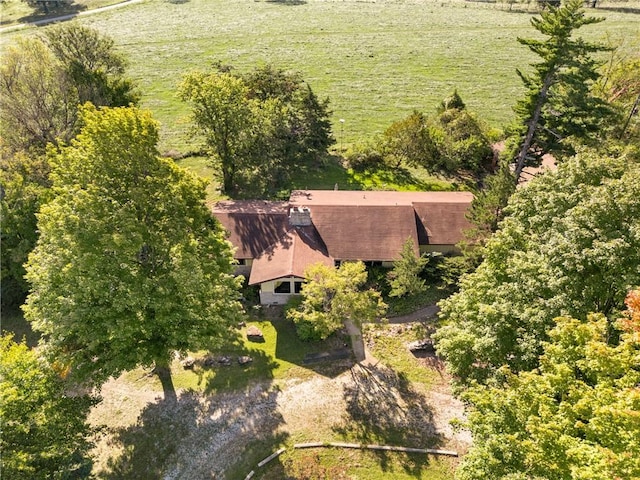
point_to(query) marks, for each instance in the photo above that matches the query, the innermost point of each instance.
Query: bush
(365, 156)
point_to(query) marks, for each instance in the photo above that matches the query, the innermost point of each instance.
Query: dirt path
(70, 16)
(424, 313)
(204, 436)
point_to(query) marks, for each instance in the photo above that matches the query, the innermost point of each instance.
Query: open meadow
(376, 61)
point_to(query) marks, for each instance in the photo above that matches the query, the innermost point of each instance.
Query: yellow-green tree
(577, 416)
(332, 296)
(44, 430)
(130, 265)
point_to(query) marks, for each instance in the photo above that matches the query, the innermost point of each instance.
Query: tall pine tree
(558, 105)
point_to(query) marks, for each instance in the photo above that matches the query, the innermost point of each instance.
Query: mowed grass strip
(375, 61)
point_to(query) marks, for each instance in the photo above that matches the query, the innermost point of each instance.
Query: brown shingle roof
(441, 223)
(365, 232)
(253, 226)
(290, 256)
(439, 219)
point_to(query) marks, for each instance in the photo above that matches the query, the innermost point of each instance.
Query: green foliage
(259, 126)
(39, 103)
(332, 295)
(365, 156)
(409, 141)
(42, 82)
(487, 207)
(92, 64)
(462, 143)
(559, 106)
(130, 265)
(25, 186)
(44, 429)
(619, 85)
(451, 142)
(578, 416)
(569, 245)
(405, 279)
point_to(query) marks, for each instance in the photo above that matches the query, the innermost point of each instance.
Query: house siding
(268, 296)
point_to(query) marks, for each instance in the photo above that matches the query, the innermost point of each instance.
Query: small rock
(188, 363)
(242, 324)
(244, 359)
(254, 333)
(209, 361)
(425, 345)
(224, 360)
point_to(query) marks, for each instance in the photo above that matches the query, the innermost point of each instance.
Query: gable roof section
(442, 223)
(290, 256)
(365, 232)
(439, 219)
(253, 225)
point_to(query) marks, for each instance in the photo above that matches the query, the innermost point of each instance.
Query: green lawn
(376, 61)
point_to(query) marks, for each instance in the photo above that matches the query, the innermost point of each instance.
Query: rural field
(376, 61)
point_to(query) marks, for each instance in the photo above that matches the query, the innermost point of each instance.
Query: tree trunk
(163, 370)
(357, 343)
(533, 124)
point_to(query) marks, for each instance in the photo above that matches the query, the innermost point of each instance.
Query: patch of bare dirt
(204, 437)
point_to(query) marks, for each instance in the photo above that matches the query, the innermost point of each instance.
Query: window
(282, 287)
(241, 261)
(297, 287)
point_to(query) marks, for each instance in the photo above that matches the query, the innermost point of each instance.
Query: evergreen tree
(405, 279)
(558, 105)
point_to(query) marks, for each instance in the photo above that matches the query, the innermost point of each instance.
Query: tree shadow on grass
(383, 408)
(331, 361)
(53, 9)
(198, 436)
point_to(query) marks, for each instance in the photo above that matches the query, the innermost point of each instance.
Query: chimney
(299, 216)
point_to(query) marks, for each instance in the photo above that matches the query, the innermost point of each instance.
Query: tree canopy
(569, 245)
(559, 104)
(577, 416)
(451, 142)
(44, 80)
(258, 126)
(405, 279)
(130, 265)
(44, 429)
(332, 295)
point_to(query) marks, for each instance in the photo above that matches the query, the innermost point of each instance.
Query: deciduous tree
(577, 416)
(44, 430)
(569, 245)
(93, 65)
(43, 81)
(130, 265)
(259, 126)
(39, 102)
(332, 296)
(24, 186)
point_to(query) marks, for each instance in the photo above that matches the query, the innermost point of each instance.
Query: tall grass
(376, 61)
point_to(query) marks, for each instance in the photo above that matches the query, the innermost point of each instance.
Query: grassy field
(376, 61)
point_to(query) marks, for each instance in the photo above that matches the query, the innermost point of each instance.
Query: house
(276, 241)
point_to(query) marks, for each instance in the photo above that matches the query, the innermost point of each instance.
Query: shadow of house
(384, 408)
